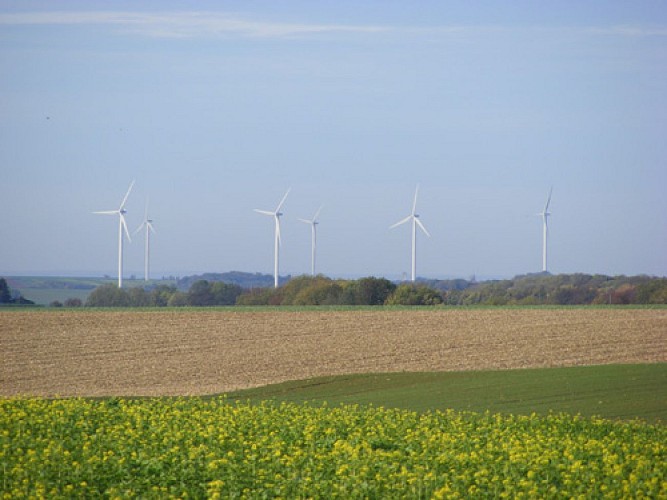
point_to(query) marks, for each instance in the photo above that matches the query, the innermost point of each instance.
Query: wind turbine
(414, 217)
(148, 225)
(276, 215)
(122, 225)
(545, 215)
(313, 229)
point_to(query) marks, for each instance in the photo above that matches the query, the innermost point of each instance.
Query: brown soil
(180, 352)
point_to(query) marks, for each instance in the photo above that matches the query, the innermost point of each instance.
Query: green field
(611, 391)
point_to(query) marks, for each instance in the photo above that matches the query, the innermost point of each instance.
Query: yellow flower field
(157, 448)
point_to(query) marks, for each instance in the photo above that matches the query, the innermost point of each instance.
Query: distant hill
(48, 282)
(44, 290)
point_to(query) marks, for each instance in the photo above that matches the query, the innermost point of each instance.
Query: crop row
(213, 448)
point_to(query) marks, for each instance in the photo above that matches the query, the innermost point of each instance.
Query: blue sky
(217, 108)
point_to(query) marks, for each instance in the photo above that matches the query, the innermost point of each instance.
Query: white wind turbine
(276, 215)
(545, 229)
(414, 217)
(122, 226)
(313, 225)
(147, 224)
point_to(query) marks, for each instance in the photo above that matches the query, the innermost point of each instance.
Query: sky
(216, 108)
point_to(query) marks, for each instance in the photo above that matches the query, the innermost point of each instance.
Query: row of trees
(201, 293)
(320, 290)
(303, 290)
(562, 289)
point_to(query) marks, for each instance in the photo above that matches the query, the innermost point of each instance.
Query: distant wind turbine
(414, 217)
(147, 224)
(313, 225)
(122, 226)
(276, 215)
(545, 230)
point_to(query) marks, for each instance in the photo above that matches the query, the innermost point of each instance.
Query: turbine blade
(419, 223)
(306, 221)
(126, 196)
(282, 201)
(141, 226)
(546, 207)
(150, 226)
(317, 213)
(124, 224)
(107, 212)
(414, 204)
(264, 212)
(402, 221)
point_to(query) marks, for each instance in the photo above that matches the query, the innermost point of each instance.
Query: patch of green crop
(611, 391)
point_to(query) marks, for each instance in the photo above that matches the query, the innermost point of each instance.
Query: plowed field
(180, 352)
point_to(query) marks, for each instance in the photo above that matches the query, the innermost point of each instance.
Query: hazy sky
(217, 108)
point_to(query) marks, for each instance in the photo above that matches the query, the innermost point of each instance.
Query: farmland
(159, 448)
(218, 448)
(185, 352)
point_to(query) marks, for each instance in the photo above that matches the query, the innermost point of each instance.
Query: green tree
(294, 287)
(200, 294)
(225, 294)
(322, 292)
(160, 295)
(255, 297)
(108, 295)
(138, 297)
(5, 294)
(652, 292)
(414, 295)
(178, 299)
(373, 291)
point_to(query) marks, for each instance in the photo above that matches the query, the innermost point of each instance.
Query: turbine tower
(276, 215)
(414, 217)
(545, 230)
(122, 226)
(147, 224)
(313, 225)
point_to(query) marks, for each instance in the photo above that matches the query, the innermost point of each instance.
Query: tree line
(533, 289)
(560, 289)
(536, 289)
(302, 290)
